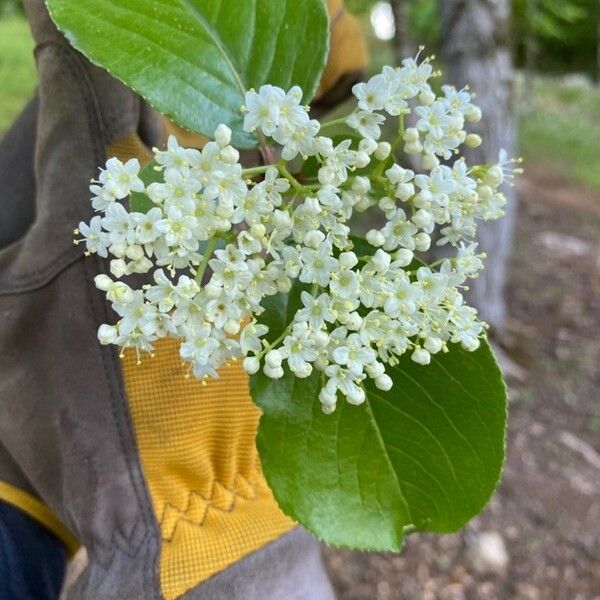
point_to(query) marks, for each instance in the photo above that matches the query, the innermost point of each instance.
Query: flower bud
(273, 359)
(303, 371)
(118, 250)
(404, 191)
(362, 159)
(375, 370)
(356, 395)
(433, 345)
(107, 334)
(430, 161)
(328, 408)
(327, 399)
(381, 260)
(258, 230)
(212, 290)
(485, 192)
(473, 114)
(422, 242)
(273, 373)
(119, 293)
(223, 135)
(229, 155)
(326, 176)
(118, 267)
(320, 338)
(321, 363)
(494, 176)
(413, 148)
(284, 284)
(387, 204)
(383, 150)
(470, 344)
(281, 219)
(324, 145)
(375, 238)
(411, 135)
(362, 205)
(135, 252)
(103, 282)
(367, 145)
(421, 356)
(473, 140)
(361, 185)
(354, 322)
(143, 265)
(404, 257)
(427, 97)
(384, 383)
(251, 365)
(232, 327)
(348, 260)
(423, 219)
(314, 238)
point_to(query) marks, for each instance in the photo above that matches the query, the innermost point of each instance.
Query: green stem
(276, 342)
(208, 251)
(293, 181)
(255, 171)
(333, 122)
(400, 137)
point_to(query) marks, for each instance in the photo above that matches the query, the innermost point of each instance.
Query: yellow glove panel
(197, 449)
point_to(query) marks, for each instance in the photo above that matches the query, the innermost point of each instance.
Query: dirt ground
(547, 508)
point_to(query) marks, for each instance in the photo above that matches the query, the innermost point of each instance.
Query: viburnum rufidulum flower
(218, 239)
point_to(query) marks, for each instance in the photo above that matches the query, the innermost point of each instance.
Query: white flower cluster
(219, 239)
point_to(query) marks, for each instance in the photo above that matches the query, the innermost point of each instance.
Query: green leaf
(426, 455)
(193, 60)
(139, 202)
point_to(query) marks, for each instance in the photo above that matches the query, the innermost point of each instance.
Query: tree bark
(476, 50)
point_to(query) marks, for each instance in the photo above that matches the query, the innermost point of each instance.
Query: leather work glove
(155, 475)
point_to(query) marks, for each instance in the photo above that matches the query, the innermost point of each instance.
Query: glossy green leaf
(426, 455)
(139, 202)
(193, 60)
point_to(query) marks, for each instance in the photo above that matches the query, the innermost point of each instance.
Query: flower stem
(400, 137)
(333, 122)
(254, 171)
(293, 181)
(208, 251)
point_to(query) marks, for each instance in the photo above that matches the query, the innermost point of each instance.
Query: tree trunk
(476, 50)
(402, 42)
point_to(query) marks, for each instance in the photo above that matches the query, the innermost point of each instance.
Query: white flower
(176, 158)
(103, 196)
(316, 312)
(263, 109)
(345, 284)
(317, 265)
(176, 227)
(372, 95)
(351, 353)
(366, 123)
(122, 178)
(146, 230)
(361, 306)
(96, 240)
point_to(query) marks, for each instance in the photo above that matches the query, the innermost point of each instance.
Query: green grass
(18, 76)
(562, 130)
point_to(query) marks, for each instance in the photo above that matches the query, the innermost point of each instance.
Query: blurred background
(535, 67)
